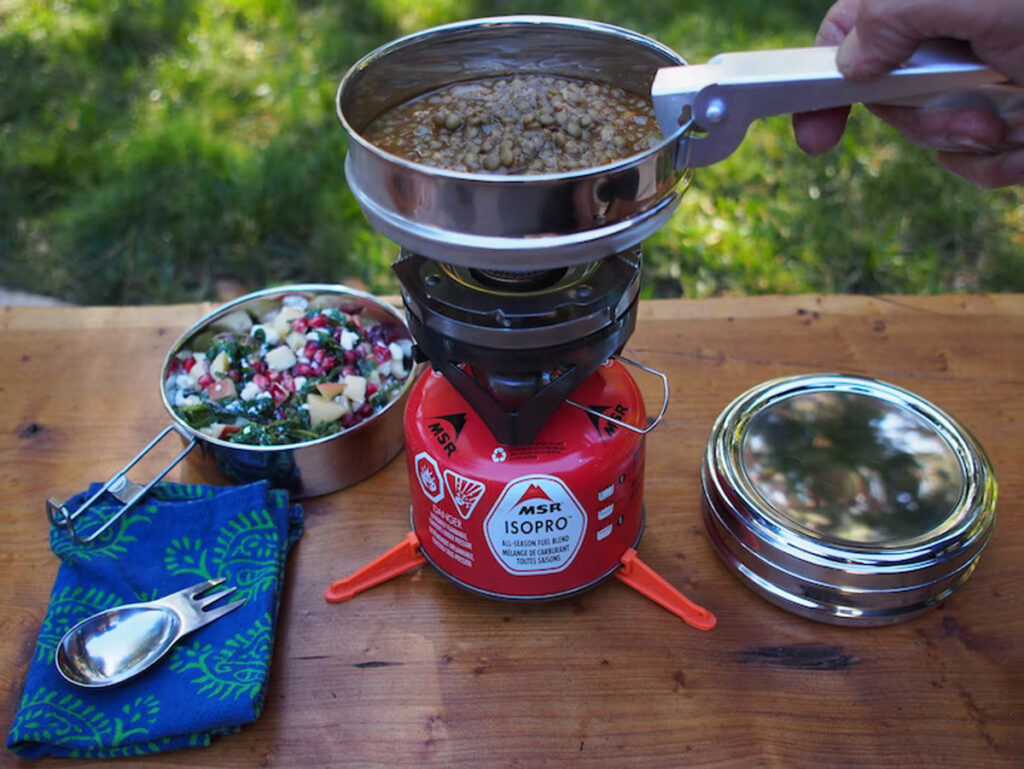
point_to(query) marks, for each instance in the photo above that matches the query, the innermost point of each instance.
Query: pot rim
(272, 291)
(524, 20)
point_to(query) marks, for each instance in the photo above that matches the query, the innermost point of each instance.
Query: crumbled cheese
(270, 334)
(299, 382)
(250, 391)
(295, 300)
(349, 339)
(181, 400)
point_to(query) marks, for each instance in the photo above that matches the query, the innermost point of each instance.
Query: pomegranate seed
(303, 369)
(188, 363)
(365, 410)
(318, 321)
(329, 362)
(371, 388)
(301, 325)
(288, 381)
(174, 366)
(261, 381)
(382, 353)
(349, 420)
(279, 393)
(348, 356)
(229, 430)
(319, 355)
(260, 367)
(205, 380)
(310, 350)
(273, 376)
(349, 370)
(235, 375)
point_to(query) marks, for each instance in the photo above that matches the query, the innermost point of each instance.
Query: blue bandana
(214, 679)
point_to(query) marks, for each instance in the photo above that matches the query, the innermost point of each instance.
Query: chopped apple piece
(237, 322)
(331, 389)
(283, 321)
(295, 340)
(219, 365)
(323, 410)
(222, 388)
(281, 358)
(355, 388)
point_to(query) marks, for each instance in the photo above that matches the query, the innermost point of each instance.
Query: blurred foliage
(149, 148)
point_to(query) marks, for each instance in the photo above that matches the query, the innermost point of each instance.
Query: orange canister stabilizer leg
(642, 578)
(398, 560)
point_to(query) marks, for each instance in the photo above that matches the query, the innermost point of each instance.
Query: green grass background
(152, 149)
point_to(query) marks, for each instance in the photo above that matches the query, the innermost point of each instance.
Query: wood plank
(420, 673)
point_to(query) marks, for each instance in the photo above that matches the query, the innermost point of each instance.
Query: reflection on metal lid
(846, 499)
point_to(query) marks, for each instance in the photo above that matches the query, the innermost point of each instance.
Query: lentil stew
(522, 124)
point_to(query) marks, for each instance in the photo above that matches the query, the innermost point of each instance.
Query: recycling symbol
(499, 455)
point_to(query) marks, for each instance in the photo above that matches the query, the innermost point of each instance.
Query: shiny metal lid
(846, 499)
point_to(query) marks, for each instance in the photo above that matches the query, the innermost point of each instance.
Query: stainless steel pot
(548, 220)
(509, 222)
(306, 469)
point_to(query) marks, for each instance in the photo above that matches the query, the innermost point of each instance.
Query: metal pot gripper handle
(713, 104)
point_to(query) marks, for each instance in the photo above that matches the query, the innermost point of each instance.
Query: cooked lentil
(523, 124)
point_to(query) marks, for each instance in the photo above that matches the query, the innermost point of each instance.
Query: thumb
(872, 49)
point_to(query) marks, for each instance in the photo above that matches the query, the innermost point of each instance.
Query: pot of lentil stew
(519, 142)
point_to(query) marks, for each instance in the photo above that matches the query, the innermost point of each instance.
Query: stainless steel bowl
(506, 221)
(310, 468)
(845, 499)
(306, 469)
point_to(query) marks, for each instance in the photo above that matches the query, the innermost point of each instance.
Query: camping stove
(525, 436)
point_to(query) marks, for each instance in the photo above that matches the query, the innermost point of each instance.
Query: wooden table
(417, 672)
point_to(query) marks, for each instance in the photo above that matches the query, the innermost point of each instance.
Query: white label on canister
(536, 526)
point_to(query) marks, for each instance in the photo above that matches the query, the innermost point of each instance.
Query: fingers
(885, 33)
(989, 171)
(818, 132)
(838, 22)
(975, 130)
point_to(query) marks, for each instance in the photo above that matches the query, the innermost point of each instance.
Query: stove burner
(514, 280)
(516, 344)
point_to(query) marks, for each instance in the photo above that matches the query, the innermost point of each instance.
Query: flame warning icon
(429, 476)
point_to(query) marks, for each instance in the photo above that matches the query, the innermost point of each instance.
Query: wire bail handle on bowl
(652, 422)
(120, 486)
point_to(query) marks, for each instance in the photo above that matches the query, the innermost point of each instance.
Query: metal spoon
(114, 645)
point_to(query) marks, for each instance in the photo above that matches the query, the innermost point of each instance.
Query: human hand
(874, 36)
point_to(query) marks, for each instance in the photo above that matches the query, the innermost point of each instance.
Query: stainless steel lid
(845, 499)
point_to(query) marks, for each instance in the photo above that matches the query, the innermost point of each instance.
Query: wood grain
(419, 673)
